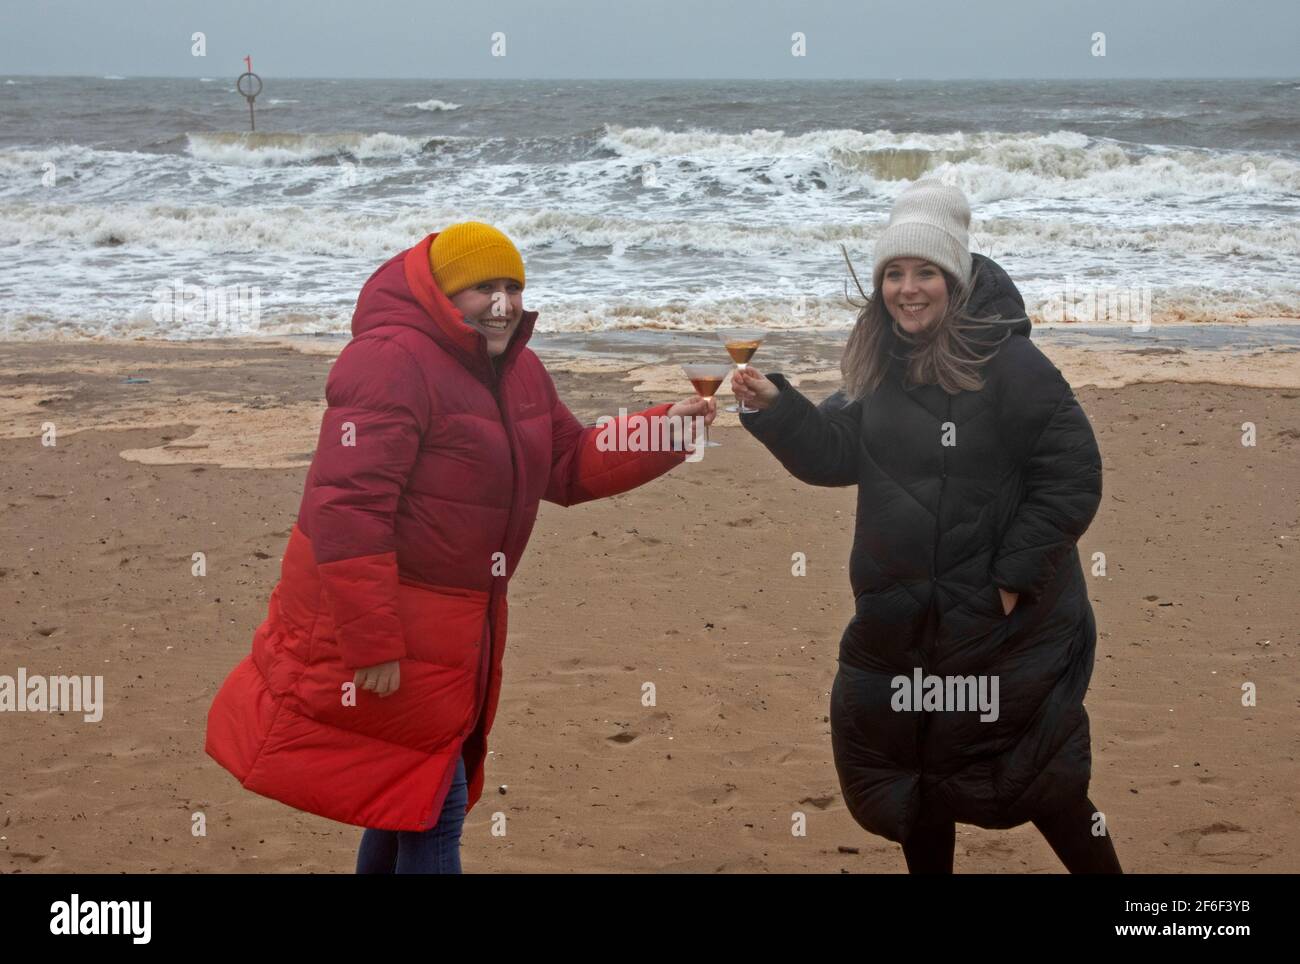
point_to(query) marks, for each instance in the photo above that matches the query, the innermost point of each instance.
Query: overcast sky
(924, 39)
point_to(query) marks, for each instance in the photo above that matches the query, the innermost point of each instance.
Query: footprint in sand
(821, 803)
(990, 847)
(1221, 842)
(30, 858)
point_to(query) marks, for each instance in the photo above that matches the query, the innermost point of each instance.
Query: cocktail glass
(706, 379)
(741, 344)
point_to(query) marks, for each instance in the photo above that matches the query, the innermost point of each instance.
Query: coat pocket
(443, 624)
(1013, 618)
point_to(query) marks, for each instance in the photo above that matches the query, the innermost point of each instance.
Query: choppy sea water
(143, 207)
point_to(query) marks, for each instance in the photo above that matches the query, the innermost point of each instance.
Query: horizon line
(884, 80)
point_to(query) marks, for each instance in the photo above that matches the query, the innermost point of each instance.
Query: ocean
(143, 206)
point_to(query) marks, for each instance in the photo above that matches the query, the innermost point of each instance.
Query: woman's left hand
(1009, 600)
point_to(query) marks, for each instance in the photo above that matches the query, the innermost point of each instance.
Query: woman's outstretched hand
(381, 679)
(753, 389)
(690, 407)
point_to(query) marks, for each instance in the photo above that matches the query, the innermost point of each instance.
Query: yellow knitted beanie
(469, 253)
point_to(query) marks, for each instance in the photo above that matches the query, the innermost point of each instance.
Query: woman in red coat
(373, 682)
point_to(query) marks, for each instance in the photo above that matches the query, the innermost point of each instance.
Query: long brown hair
(948, 353)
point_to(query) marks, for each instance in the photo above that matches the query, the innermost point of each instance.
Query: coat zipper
(484, 670)
(931, 622)
(938, 508)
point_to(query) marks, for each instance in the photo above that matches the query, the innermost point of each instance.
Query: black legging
(1068, 831)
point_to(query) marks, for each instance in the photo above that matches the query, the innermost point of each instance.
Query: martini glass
(706, 379)
(741, 344)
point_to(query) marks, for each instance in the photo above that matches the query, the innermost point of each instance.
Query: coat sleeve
(586, 462)
(377, 412)
(818, 444)
(1062, 476)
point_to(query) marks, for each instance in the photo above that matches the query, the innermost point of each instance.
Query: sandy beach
(685, 583)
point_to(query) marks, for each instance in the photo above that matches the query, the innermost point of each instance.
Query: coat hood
(996, 295)
(402, 292)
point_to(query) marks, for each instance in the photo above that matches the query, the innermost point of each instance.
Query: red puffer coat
(417, 507)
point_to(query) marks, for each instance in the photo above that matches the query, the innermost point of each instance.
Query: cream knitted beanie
(930, 220)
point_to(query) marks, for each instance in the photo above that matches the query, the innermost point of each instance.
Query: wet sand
(685, 583)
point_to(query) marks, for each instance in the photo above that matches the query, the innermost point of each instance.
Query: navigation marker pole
(245, 86)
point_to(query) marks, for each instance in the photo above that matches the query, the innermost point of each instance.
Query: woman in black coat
(959, 693)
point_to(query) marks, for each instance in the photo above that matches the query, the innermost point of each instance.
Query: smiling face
(492, 308)
(914, 292)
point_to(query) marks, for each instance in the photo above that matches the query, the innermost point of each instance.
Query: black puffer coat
(940, 527)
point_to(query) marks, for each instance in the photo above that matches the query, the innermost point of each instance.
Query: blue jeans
(432, 851)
